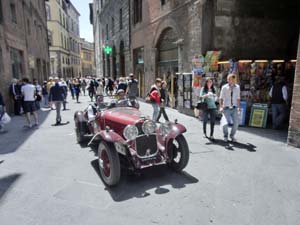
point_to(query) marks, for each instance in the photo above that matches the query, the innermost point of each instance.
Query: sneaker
(212, 138)
(36, 125)
(205, 136)
(27, 126)
(233, 139)
(226, 139)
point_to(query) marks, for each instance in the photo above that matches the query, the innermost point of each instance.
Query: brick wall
(294, 129)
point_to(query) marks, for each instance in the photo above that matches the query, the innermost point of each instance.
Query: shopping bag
(223, 122)
(5, 119)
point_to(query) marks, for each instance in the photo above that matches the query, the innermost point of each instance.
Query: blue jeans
(155, 111)
(233, 114)
(278, 115)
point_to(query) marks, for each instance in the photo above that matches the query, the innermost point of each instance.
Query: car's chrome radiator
(146, 146)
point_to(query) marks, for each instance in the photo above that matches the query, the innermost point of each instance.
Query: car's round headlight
(165, 128)
(149, 127)
(131, 132)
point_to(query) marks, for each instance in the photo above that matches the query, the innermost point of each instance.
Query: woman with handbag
(208, 96)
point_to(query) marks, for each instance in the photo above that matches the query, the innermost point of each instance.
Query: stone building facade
(64, 38)
(294, 128)
(111, 21)
(23, 42)
(87, 58)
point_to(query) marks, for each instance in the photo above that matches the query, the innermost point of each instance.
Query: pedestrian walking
(92, 89)
(2, 111)
(279, 102)
(50, 83)
(163, 97)
(99, 93)
(208, 95)
(45, 94)
(110, 87)
(155, 98)
(28, 91)
(122, 84)
(77, 88)
(38, 94)
(230, 106)
(16, 95)
(57, 97)
(132, 88)
(64, 85)
(72, 89)
(83, 86)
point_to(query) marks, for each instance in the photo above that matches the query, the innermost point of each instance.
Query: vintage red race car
(125, 137)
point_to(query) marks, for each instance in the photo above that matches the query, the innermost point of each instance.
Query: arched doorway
(167, 61)
(108, 65)
(114, 63)
(122, 60)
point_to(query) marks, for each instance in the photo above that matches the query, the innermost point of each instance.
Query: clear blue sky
(86, 29)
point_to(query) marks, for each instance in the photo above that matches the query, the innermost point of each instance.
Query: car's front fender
(108, 136)
(176, 129)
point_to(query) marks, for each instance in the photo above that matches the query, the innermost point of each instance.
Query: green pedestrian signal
(107, 50)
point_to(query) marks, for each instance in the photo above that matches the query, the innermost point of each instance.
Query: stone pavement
(46, 178)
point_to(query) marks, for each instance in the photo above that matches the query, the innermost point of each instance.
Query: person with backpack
(155, 98)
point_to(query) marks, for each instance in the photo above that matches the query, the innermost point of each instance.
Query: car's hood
(122, 115)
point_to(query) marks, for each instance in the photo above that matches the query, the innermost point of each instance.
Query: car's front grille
(146, 145)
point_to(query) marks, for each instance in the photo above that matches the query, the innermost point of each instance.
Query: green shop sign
(107, 50)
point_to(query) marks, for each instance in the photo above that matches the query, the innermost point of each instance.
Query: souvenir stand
(255, 78)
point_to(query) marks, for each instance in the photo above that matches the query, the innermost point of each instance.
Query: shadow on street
(6, 183)
(16, 135)
(233, 145)
(138, 185)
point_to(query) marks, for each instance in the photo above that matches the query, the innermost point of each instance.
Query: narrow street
(46, 178)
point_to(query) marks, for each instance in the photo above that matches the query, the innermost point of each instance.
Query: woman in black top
(163, 96)
(77, 88)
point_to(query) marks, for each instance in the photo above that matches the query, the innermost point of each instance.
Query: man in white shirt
(28, 91)
(230, 105)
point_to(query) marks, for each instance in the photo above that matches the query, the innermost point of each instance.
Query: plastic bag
(223, 122)
(5, 119)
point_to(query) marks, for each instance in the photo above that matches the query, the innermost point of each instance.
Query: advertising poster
(258, 116)
(198, 70)
(212, 59)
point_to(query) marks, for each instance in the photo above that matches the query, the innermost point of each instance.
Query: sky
(86, 29)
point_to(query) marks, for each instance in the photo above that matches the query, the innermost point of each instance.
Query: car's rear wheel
(180, 153)
(109, 163)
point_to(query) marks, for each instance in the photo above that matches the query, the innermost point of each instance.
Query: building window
(106, 31)
(163, 2)
(48, 11)
(16, 58)
(1, 15)
(50, 38)
(13, 13)
(121, 19)
(137, 11)
(113, 26)
(62, 40)
(60, 16)
(28, 27)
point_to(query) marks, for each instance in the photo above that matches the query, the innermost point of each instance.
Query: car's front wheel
(79, 133)
(109, 163)
(180, 153)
